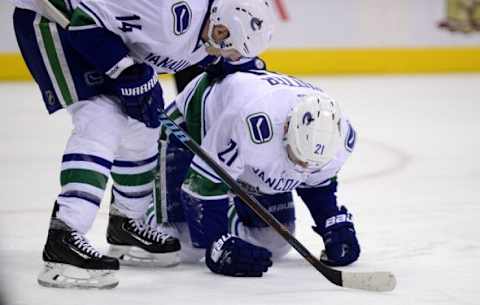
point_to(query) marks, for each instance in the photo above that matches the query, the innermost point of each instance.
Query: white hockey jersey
(165, 34)
(241, 125)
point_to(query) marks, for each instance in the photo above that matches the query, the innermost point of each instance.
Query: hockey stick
(372, 281)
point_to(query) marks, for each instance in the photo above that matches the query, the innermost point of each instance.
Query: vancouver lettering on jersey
(167, 62)
(279, 184)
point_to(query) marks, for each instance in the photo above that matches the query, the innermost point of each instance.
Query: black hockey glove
(140, 93)
(232, 256)
(340, 240)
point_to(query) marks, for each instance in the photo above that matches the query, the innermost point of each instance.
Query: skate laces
(147, 231)
(84, 245)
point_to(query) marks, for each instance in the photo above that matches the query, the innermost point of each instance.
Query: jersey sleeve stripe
(189, 95)
(49, 44)
(193, 111)
(205, 172)
(320, 184)
(204, 103)
(92, 14)
(187, 190)
(171, 108)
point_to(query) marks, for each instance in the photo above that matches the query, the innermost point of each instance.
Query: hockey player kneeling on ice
(274, 134)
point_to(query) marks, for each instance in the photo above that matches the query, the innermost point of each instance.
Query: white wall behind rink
(338, 24)
(366, 23)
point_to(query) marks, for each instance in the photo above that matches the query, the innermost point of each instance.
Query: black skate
(135, 243)
(72, 262)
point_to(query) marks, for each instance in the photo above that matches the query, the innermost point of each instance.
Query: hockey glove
(140, 93)
(339, 238)
(232, 256)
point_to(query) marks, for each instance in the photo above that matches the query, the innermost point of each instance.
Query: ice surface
(413, 185)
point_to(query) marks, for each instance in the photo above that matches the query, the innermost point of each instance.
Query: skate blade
(134, 256)
(58, 275)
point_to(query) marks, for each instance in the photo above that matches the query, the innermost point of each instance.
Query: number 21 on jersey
(229, 155)
(319, 149)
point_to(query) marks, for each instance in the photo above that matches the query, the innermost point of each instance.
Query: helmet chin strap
(230, 54)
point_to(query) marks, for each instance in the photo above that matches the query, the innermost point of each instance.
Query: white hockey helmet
(250, 23)
(314, 133)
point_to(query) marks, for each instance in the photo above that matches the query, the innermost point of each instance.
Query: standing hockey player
(102, 68)
(274, 134)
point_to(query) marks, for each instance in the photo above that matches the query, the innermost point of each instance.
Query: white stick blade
(372, 281)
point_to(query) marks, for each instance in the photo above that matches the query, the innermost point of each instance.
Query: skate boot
(72, 262)
(135, 243)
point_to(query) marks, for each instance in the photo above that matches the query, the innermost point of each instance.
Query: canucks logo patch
(351, 138)
(260, 128)
(182, 17)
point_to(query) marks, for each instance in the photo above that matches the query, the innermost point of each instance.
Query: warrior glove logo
(140, 90)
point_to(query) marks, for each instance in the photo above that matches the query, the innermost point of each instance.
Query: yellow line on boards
(332, 61)
(373, 61)
(13, 67)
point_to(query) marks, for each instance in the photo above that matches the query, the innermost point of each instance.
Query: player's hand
(340, 240)
(140, 93)
(232, 256)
